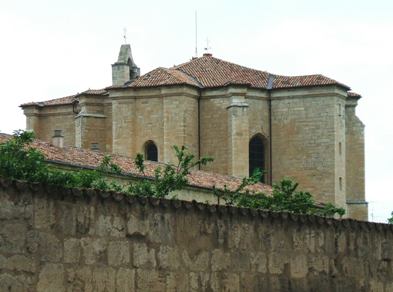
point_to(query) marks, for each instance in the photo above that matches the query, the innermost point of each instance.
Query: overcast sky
(50, 49)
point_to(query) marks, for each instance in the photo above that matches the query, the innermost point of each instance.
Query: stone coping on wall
(60, 193)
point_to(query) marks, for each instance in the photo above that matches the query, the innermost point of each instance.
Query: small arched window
(151, 152)
(257, 156)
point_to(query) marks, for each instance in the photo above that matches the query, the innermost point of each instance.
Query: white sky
(50, 49)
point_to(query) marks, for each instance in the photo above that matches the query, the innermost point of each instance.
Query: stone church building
(304, 127)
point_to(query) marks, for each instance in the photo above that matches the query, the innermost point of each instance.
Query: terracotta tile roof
(207, 72)
(210, 72)
(214, 72)
(57, 101)
(353, 94)
(86, 158)
(67, 99)
(304, 81)
(162, 76)
(94, 92)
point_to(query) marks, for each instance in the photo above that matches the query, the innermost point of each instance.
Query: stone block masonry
(81, 240)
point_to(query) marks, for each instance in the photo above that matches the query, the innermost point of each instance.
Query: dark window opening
(95, 147)
(151, 151)
(58, 133)
(257, 156)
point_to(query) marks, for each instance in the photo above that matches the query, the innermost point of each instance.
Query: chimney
(208, 55)
(58, 139)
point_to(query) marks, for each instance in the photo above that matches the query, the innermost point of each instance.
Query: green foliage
(284, 198)
(18, 160)
(390, 220)
(168, 178)
(107, 166)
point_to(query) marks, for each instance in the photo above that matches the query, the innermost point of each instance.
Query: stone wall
(166, 116)
(45, 121)
(226, 130)
(306, 131)
(72, 240)
(357, 206)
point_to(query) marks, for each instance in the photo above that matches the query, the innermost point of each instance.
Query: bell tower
(125, 69)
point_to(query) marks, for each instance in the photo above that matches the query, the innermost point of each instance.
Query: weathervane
(125, 35)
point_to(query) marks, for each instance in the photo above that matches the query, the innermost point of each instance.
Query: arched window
(256, 150)
(151, 152)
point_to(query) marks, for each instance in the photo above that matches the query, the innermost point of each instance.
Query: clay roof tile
(67, 99)
(86, 158)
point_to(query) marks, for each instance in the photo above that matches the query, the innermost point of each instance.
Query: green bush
(18, 160)
(390, 220)
(284, 198)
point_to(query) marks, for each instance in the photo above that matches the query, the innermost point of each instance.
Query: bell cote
(125, 69)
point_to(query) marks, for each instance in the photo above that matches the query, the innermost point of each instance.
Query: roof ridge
(221, 60)
(171, 70)
(189, 76)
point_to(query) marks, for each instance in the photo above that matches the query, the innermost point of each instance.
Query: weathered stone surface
(200, 251)
(72, 250)
(79, 279)
(44, 213)
(220, 261)
(258, 262)
(177, 282)
(118, 253)
(66, 220)
(137, 227)
(11, 283)
(12, 237)
(94, 250)
(150, 280)
(103, 279)
(50, 247)
(229, 282)
(161, 228)
(144, 257)
(277, 263)
(168, 258)
(198, 262)
(15, 210)
(51, 278)
(20, 263)
(84, 219)
(125, 280)
(204, 282)
(298, 266)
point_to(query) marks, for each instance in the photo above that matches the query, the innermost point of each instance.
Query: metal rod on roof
(196, 33)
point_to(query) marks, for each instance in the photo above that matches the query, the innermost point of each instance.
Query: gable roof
(83, 158)
(66, 99)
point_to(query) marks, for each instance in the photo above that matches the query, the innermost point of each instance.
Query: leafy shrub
(18, 160)
(167, 179)
(390, 220)
(284, 198)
